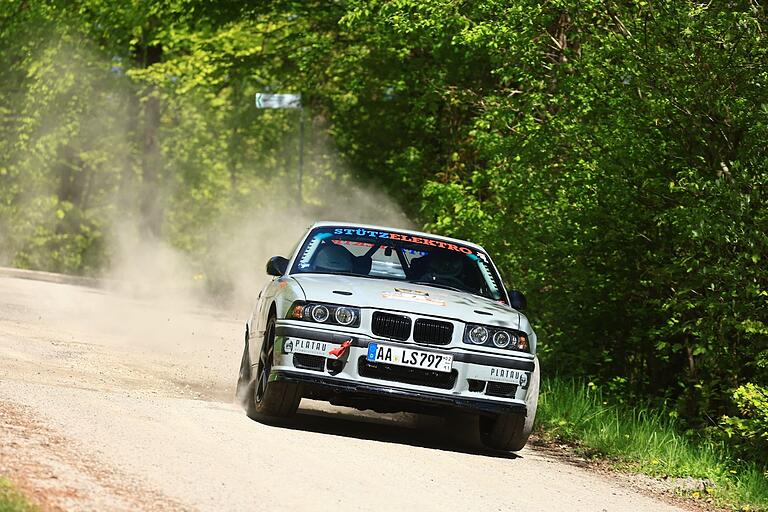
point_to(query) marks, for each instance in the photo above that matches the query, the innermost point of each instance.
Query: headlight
(501, 339)
(344, 316)
(325, 313)
(496, 337)
(478, 335)
(320, 313)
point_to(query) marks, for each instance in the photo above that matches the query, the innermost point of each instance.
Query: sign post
(289, 101)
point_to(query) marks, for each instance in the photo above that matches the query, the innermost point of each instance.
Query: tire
(265, 398)
(510, 432)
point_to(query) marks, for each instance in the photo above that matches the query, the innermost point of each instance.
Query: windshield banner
(406, 238)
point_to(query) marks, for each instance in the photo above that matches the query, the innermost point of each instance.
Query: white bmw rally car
(392, 320)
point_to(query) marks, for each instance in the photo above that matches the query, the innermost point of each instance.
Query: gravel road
(115, 403)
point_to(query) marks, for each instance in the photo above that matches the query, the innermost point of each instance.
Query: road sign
(288, 101)
(278, 100)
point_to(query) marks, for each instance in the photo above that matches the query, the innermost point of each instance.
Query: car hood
(412, 298)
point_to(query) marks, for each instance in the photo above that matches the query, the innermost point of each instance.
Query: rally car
(392, 320)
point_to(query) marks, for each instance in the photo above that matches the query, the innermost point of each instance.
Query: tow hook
(339, 351)
(336, 365)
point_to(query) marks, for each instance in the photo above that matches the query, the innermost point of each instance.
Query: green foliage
(748, 433)
(12, 500)
(137, 114)
(612, 156)
(646, 440)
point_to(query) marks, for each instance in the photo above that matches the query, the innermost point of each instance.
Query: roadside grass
(647, 441)
(11, 500)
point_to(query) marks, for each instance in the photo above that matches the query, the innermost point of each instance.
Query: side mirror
(277, 266)
(517, 300)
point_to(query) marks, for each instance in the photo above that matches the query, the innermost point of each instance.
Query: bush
(650, 440)
(748, 433)
(12, 500)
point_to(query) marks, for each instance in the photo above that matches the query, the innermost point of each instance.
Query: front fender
(278, 295)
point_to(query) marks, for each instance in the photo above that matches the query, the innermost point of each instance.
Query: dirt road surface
(114, 403)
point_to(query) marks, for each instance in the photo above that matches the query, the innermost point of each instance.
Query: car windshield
(401, 257)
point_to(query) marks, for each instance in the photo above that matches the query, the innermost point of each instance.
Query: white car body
(485, 380)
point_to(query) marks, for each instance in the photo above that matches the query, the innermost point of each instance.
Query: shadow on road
(411, 430)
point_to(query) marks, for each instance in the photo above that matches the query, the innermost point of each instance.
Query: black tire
(265, 398)
(510, 432)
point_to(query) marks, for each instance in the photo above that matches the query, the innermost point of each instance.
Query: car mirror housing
(277, 266)
(517, 300)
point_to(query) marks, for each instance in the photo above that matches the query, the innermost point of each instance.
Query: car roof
(398, 230)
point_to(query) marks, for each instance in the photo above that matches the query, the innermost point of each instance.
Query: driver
(439, 266)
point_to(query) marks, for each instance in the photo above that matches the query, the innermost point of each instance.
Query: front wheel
(510, 432)
(270, 398)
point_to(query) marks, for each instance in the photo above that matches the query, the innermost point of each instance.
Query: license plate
(310, 347)
(378, 353)
(505, 375)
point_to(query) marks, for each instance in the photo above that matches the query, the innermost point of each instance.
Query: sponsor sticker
(507, 375)
(412, 297)
(404, 238)
(310, 347)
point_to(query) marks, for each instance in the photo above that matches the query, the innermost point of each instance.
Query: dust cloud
(232, 270)
(154, 293)
(161, 295)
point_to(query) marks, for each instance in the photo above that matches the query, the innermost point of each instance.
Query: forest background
(612, 156)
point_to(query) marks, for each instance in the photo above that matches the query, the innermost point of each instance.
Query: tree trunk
(150, 205)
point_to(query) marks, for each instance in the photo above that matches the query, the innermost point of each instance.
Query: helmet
(446, 264)
(333, 258)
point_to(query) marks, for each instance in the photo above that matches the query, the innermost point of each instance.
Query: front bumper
(470, 387)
